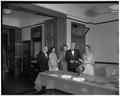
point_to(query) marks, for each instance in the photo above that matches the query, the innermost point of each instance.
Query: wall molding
(106, 21)
(32, 25)
(4, 26)
(111, 63)
(93, 22)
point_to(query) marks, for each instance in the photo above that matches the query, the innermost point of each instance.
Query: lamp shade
(7, 11)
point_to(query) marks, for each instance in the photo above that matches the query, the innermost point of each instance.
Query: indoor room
(60, 48)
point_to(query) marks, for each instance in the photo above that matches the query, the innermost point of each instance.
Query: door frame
(8, 27)
(84, 36)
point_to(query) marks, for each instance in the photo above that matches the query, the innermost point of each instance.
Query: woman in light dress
(53, 60)
(88, 61)
(63, 63)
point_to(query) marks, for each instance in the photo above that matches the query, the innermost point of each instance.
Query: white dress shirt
(46, 55)
(73, 52)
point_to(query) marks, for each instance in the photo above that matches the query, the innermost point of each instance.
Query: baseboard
(113, 63)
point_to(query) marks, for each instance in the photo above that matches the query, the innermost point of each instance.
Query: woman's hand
(58, 60)
(81, 60)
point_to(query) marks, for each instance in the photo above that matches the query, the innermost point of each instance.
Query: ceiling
(93, 6)
(20, 13)
(91, 10)
(97, 8)
(23, 15)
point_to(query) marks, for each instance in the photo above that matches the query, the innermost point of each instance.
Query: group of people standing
(68, 60)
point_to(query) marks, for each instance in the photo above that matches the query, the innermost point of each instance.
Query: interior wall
(104, 41)
(26, 34)
(69, 33)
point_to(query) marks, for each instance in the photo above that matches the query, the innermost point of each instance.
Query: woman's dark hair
(65, 45)
(88, 46)
(50, 50)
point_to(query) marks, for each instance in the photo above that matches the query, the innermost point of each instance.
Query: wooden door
(36, 40)
(4, 49)
(80, 43)
(51, 33)
(18, 51)
(11, 50)
(26, 57)
(78, 36)
(11, 40)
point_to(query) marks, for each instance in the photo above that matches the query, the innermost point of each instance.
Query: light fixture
(114, 8)
(7, 11)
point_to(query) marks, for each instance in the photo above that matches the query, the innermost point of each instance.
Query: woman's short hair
(88, 46)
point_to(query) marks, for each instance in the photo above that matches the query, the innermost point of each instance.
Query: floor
(23, 85)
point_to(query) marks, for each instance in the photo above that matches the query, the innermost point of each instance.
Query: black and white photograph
(59, 47)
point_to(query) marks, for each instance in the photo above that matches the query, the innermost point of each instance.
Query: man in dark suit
(42, 59)
(73, 57)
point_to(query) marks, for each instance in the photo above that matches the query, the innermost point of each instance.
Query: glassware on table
(80, 70)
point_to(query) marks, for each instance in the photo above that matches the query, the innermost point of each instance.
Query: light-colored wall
(104, 41)
(104, 38)
(69, 33)
(26, 34)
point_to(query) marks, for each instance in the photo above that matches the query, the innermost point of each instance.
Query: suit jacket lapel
(45, 56)
(75, 53)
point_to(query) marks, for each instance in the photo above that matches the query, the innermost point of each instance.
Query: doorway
(36, 36)
(11, 44)
(78, 34)
(8, 45)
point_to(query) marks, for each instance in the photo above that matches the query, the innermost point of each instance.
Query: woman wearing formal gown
(53, 60)
(63, 63)
(88, 61)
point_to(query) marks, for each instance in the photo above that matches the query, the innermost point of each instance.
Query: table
(92, 85)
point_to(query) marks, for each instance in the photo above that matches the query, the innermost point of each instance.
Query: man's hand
(73, 61)
(76, 61)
